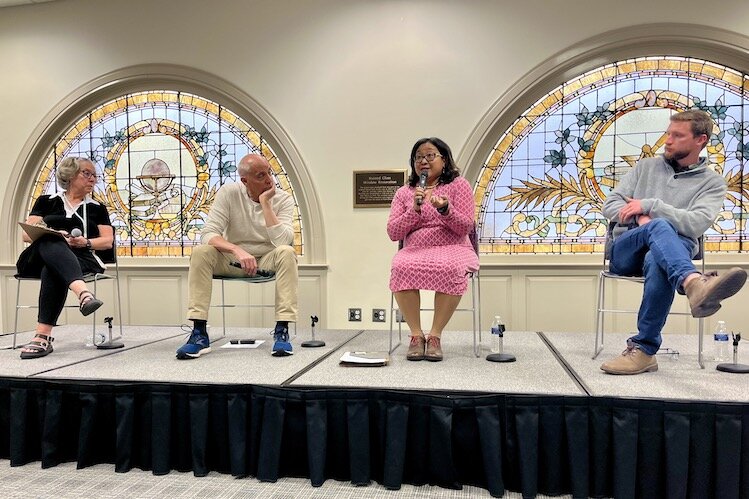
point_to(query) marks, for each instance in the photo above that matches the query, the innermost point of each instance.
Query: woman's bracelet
(444, 209)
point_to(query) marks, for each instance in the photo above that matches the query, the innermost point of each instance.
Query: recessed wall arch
(687, 41)
(151, 77)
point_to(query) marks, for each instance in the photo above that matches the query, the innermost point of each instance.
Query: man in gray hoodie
(661, 208)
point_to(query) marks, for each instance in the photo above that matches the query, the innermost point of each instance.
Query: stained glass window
(162, 155)
(542, 186)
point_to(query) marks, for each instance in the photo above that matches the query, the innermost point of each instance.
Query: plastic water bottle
(498, 332)
(720, 340)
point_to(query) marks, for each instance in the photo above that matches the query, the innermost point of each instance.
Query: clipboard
(37, 231)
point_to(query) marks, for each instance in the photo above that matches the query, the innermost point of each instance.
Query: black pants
(54, 262)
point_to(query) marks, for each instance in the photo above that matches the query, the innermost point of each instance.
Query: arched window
(541, 188)
(161, 156)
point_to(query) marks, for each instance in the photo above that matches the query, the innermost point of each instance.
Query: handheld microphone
(260, 272)
(422, 183)
(76, 232)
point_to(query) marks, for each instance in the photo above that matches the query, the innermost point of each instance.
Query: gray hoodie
(690, 200)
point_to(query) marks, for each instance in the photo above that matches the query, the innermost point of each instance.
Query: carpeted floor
(101, 482)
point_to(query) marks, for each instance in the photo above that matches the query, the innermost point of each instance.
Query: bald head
(256, 175)
(247, 163)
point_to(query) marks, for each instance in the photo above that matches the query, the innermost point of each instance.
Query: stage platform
(550, 423)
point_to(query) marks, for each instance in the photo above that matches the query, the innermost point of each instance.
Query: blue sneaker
(281, 345)
(197, 345)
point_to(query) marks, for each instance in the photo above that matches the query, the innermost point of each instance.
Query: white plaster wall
(353, 83)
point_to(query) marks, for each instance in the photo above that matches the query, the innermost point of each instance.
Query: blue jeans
(657, 252)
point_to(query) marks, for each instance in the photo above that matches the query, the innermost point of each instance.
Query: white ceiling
(11, 3)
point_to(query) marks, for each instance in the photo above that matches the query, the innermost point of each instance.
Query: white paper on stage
(365, 359)
(229, 344)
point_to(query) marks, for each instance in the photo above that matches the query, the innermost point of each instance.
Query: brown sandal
(88, 303)
(40, 346)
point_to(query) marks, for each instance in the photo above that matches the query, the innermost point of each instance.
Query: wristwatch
(88, 244)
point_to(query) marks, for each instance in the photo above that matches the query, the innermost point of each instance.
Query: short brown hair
(701, 122)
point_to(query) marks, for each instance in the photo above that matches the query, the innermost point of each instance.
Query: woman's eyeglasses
(429, 157)
(88, 175)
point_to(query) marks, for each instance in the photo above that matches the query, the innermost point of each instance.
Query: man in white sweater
(661, 208)
(249, 228)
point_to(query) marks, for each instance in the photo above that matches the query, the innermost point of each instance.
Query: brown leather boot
(434, 349)
(631, 361)
(706, 291)
(416, 348)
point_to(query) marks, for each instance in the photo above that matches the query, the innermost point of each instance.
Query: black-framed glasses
(429, 157)
(88, 175)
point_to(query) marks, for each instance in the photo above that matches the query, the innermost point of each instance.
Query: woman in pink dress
(433, 222)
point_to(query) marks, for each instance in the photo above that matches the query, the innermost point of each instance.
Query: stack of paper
(365, 359)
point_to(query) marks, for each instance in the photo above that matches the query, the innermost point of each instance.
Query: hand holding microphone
(75, 234)
(260, 272)
(422, 184)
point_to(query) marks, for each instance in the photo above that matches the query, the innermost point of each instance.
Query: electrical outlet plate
(378, 315)
(354, 315)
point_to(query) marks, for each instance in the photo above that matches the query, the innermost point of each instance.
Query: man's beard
(675, 155)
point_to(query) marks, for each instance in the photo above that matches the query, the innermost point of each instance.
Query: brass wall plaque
(376, 188)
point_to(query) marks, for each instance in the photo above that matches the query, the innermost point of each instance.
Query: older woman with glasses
(432, 215)
(61, 260)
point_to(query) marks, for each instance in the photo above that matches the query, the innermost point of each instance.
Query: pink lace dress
(436, 253)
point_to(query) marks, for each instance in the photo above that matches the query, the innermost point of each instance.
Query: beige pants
(206, 261)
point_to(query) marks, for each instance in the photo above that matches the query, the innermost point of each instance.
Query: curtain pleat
(727, 455)
(490, 432)
(317, 439)
(88, 434)
(676, 447)
(701, 436)
(526, 419)
(238, 421)
(198, 411)
(50, 430)
(577, 425)
(441, 467)
(270, 439)
(552, 437)
(161, 430)
(359, 436)
(624, 428)
(125, 458)
(583, 446)
(650, 461)
(394, 437)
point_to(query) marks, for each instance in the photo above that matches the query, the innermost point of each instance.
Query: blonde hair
(702, 123)
(67, 169)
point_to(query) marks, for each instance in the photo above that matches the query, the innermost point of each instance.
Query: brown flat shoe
(434, 349)
(416, 348)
